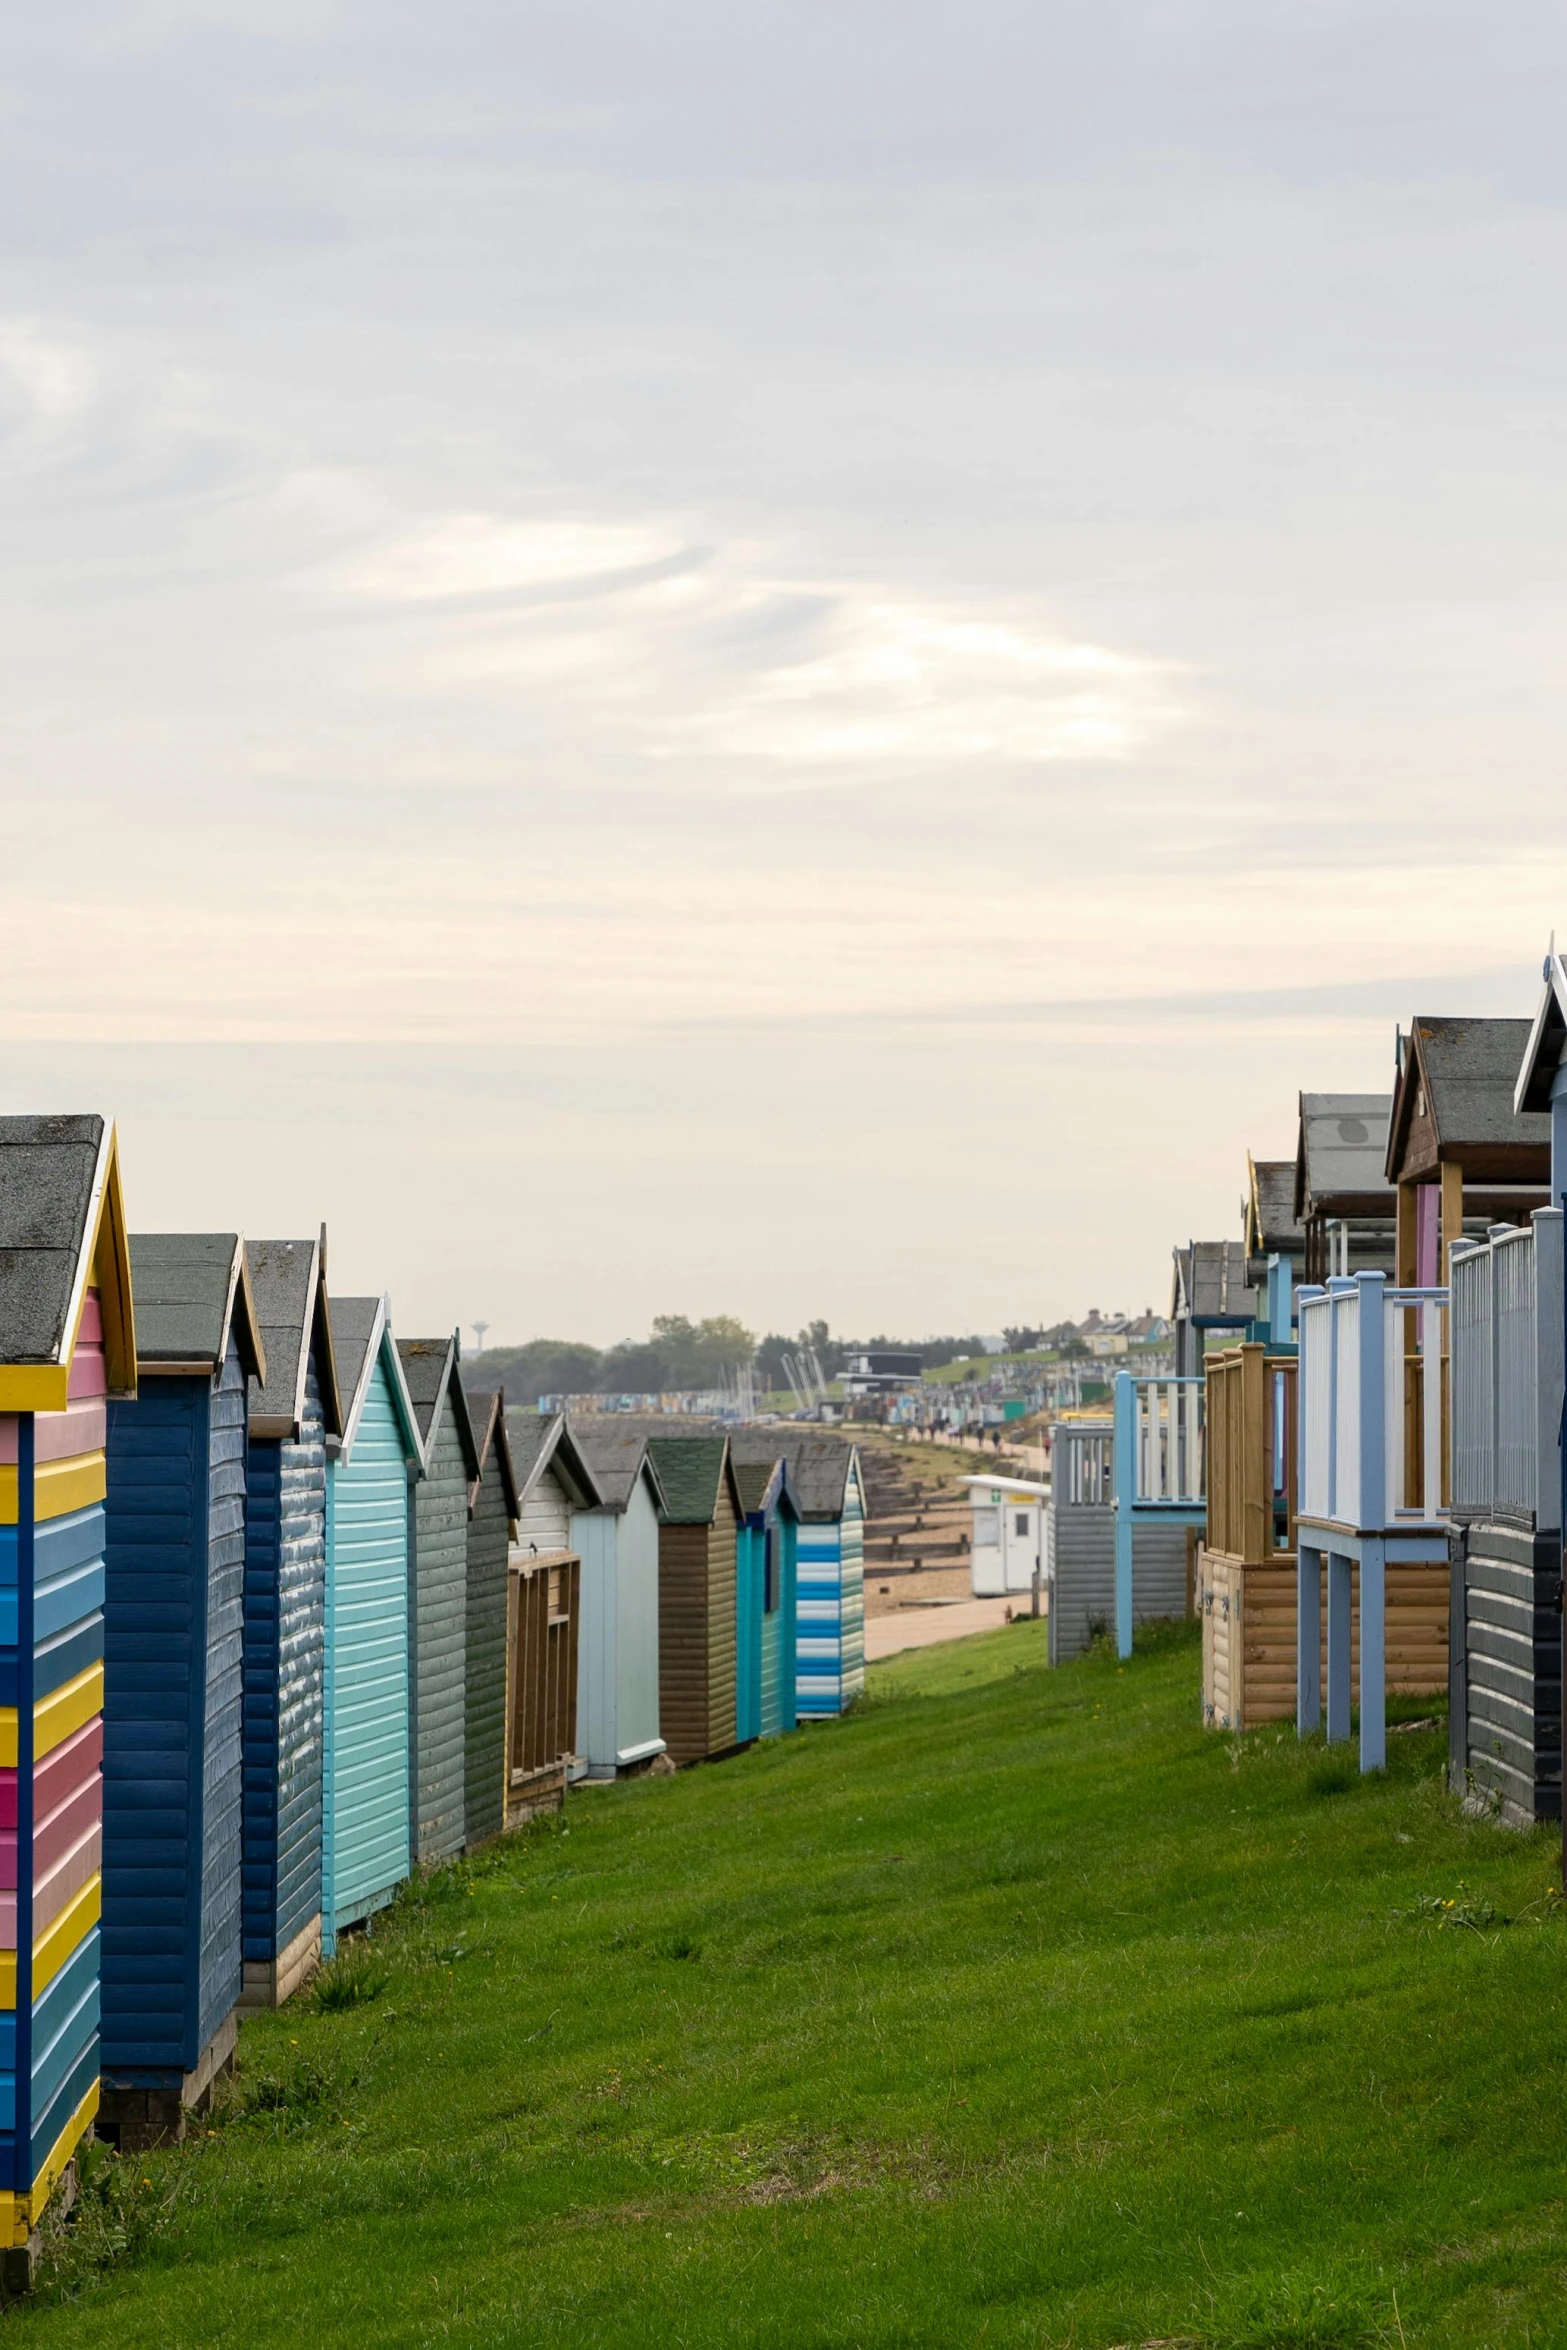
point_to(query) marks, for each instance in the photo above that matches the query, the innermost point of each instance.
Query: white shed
(1008, 1545)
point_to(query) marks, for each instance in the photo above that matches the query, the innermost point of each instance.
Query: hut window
(987, 1529)
(1020, 1529)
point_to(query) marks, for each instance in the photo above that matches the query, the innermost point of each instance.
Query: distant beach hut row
(287, 1613)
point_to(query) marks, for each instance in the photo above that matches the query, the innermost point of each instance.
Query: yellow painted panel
(58, 1487)
(7, 1982)
(74, 1923)
(20, 2214)
(64, 1710)
(34, 1387)
(8, 1737)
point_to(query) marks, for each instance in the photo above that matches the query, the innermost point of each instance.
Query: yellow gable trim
(34, 1387)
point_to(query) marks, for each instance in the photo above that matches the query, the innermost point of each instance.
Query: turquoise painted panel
(749, 1564)
(366, 1827)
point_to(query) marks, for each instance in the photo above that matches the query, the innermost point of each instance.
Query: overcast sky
(779, 659)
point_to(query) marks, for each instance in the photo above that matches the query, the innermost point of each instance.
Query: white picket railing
(1353, 1383)
(1506, 1375)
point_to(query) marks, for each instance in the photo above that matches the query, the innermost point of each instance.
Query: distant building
(880, 1371)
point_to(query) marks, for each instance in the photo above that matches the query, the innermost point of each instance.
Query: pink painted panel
(8, 1810)
(68, 1875)
(69, 1766)
(88, 1377)
(54, 1836)
(1427, 1204)
(60, 1436)
(7, 1921)
(7, 1860)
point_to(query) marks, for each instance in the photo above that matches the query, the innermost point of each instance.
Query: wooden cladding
(1252, 1455)
(1249, 1638)
(543, 1614)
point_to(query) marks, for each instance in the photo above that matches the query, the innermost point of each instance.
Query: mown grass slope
(1013, 2010)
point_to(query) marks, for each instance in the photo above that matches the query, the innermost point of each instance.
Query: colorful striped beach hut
(697, 1547)
(492, 1528)
(174, 1685)
(438, 1602)
(67, 1344)
(617, 1670)
(829, 1489)
(292, 1414)
(765, 1571)
(369, 1472)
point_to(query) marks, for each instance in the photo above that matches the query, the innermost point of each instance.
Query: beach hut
(617, 1543)
(67, 1345)
(174, 1685)
(697, 1557)
(293, 1412)
(438, 1602)
(543, 1592)
(492, 1529)
(369, 1471)
(765, 1578)
(1007, 1545)
(1344, 1203)
(829, 1490)
(1080, 1543)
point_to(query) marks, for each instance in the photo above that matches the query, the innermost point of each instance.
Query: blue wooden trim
(196, 1758)
(1373, 1657)
(21, 2152)
(1125, 1493)
(1371, 1501)
(1340, 1601)
(1308, 1640)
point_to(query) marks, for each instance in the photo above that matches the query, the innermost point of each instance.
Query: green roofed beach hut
(697, 1561)
(371, 1471)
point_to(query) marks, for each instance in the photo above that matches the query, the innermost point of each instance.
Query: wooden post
(1406, 1259)
(1452, 1214)
(1256, 1503)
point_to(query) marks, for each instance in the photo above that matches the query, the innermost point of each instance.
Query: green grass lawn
(1015, 2009)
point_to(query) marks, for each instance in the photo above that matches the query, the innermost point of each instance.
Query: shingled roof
(359, 1326)
(1455, 1104)
(818, 1467)
(1272, 1226)
(617, 1457)
(1211, 1286)
(693, 1471)
(430, 1366)
(541, 1441)
(62, 1228)
(291, 1307)
(1341, 1157)
(192, 1290)
(487, 1411)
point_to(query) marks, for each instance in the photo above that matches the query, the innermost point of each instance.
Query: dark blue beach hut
(292, 1414)
(173, 1670)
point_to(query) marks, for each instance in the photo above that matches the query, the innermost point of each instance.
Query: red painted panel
(61, 1436)
(69, 1874)
(69, 1766)
(65, 1826)
(8, 1811)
